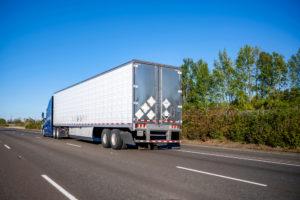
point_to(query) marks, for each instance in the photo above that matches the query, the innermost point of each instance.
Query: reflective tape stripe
(159, 141)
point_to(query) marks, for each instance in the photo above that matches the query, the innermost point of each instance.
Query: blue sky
(48, 45)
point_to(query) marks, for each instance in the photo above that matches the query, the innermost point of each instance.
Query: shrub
(278, 127)
(3, 122)
(33, 124)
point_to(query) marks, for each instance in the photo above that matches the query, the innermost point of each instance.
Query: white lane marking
(240, 158)
(38, 137)
(59, 188)
(75, 145)
(8, 147)
(221, 176)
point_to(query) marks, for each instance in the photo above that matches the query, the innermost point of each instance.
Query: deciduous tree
(294, 70)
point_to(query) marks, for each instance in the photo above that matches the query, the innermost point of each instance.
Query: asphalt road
(34, 167)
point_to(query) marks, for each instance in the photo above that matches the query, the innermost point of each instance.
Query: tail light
(140, 125)
(175, 126)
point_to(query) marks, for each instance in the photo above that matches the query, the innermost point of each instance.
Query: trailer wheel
(54, 133)
(58, 133)
(116, 139)
(105, 138)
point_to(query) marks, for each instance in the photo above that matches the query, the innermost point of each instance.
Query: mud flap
(127, 138)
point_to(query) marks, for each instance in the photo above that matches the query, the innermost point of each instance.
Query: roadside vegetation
(253, 98)
(33, 124)
(27, 123)
(3, 122)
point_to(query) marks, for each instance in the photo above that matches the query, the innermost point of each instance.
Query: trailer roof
(119, 66)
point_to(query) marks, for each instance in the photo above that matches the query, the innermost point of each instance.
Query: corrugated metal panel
(133, 61)
(102, 99)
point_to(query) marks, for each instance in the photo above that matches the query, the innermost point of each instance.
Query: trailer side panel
(103, 100)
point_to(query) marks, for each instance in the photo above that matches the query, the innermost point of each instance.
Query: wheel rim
(113, 139)
(104, 138)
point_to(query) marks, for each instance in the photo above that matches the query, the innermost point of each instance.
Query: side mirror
(43, 115)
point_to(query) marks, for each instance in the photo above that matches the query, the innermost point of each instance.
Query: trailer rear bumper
(158, 141)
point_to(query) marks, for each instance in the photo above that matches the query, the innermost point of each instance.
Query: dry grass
(237, 145)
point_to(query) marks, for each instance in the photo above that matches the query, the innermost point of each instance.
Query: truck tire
(116, 139)
(105, 138)
(54, 133)
(57, 133)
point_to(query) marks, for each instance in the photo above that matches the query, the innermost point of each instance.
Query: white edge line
(59, 188)
(239, 149)
(75, 145)
(221, 176)
(236, 149)
(240, 158)
(8, 147)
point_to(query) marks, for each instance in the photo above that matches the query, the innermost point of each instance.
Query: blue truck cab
(48, 120)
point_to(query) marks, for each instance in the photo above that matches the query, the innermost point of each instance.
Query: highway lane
(88, 171)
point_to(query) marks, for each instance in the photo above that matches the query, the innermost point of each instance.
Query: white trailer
(136, 103)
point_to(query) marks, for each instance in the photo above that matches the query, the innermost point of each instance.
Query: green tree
(272, 73)
(245, 72)
(185, 78)
(264, 65)
(217, 86)
(202, 77)
(189, 81)
(294, 70)
(2, 122)
(224, 71)
(280, 71)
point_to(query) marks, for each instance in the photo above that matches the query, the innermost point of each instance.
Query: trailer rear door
(170, 95)
(157, 94)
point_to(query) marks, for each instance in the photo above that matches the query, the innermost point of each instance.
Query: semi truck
(138, 103)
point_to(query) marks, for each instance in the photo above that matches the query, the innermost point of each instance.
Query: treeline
(253, 98)
(28, 123)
